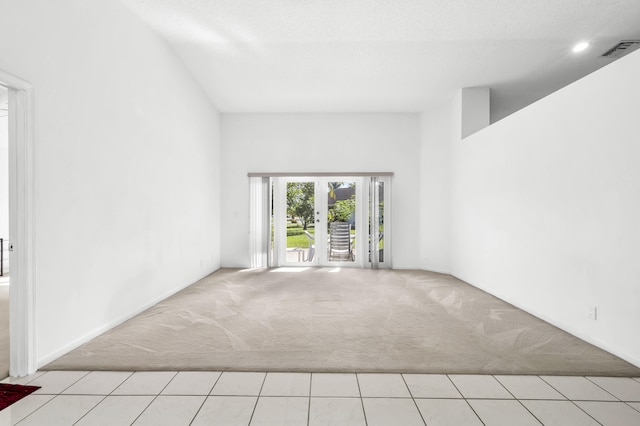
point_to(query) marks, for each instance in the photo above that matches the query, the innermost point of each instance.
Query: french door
(330, 221)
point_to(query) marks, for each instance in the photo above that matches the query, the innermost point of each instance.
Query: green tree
(332, 188)
(300, 202)
(342, 210)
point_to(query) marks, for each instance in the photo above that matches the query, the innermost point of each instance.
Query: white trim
(374, 220)
(633, 359)
(362, 218)
(22, 190)
(111, 324)
(280, 221)
(388, 220)
(321, 207)
(320, 227)
(386, 182)
(319, 174)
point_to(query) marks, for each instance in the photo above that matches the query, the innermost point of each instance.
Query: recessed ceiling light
(580, 46)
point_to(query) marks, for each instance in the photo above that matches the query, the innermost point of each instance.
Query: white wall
(438, 129)
(127, 165)
(546, 208)
(320, 143)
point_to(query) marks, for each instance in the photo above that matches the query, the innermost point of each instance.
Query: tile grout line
(55, 395)
(206, 397)
(519, 401)
(585, 411)
(413, 399)
(503, 386)
(154, 398)
(37, 409)
(80, 378)
(454, 385)
(257, 399)
(619, 399)
(629, 404)
(474, 411)
(530, 412)
(309, 397)
(41, 375)
(91, 409)
(102, 400)
(465, 399)
(364, 413)
(570, 400)
(309, 408)
(554, 388)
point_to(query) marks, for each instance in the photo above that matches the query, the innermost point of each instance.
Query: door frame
(280, 218)
(362, 219)
(22, 191)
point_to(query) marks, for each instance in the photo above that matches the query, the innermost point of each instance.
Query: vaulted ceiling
(386, 55)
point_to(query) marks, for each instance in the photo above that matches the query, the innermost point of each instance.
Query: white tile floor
(235, 398)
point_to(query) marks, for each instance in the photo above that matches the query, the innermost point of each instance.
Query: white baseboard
(571, 330)
(111, 324)
(437, 271)
(95, 333)
(235, 266)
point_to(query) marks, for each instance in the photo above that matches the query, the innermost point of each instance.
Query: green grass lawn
(296, 236)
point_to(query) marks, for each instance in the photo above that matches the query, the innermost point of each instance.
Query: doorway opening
(21, 219)
(4, 232)
(322, 220)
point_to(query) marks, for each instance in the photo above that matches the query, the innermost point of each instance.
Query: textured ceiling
(385, 55)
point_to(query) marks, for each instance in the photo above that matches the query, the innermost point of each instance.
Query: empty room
(365, 212)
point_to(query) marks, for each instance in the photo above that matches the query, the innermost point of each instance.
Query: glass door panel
(300, 217)
(341, 221)
(380, 231)
(330, 221)
(378, 198)
(376, 222)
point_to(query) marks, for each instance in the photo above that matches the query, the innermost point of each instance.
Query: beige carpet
(350, 320)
